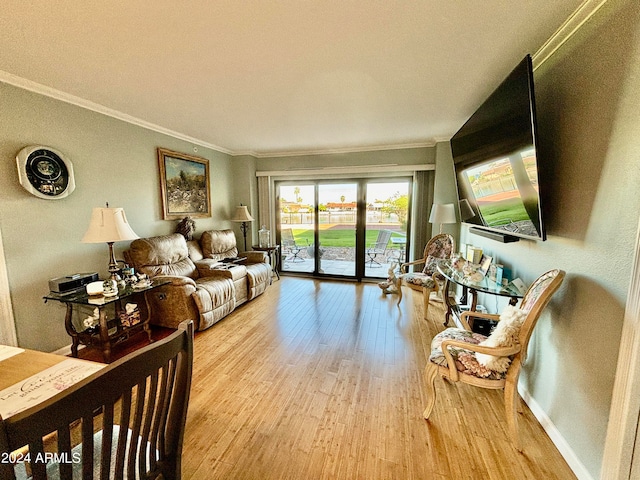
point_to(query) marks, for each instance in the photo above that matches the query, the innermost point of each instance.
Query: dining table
(29, 377)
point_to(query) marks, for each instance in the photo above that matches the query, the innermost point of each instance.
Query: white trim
(582, 14)
(7, 322)
(38, 88)
(347, 170)
(556, 437)
(620, 445)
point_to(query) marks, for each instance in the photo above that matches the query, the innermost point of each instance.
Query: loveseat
(201, 287)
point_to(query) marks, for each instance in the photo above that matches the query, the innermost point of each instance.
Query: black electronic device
(71, 283)
(496, 161)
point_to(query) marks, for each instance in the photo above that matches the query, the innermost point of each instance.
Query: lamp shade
(466, 212)
(443, 213)
(242, 214)
(108, 225)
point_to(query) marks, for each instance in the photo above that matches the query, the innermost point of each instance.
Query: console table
(451, 275)
(113, 326)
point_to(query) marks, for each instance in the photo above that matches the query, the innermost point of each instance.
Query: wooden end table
(110, 329)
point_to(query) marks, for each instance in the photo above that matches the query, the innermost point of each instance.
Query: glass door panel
(296, 210)
(386, 226)
(337, 214)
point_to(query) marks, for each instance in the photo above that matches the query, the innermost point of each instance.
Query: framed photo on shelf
(184, 185)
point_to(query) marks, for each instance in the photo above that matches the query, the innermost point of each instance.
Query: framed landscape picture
(184, 185)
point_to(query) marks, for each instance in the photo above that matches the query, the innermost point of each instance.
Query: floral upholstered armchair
(438, 248)
(493, 362)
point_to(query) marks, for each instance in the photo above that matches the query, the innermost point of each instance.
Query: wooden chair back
(535, 300)
(125, 421)
(440, 246)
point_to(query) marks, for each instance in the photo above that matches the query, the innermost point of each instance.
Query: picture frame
(184, 185)
(485, 263)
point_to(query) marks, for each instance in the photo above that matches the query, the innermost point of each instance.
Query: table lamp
(466, 212)
(109, 225)
(442, 213)
(243, 217)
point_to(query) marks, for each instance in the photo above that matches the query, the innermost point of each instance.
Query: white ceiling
(269, 77)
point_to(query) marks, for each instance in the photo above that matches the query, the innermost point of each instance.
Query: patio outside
(337, 210)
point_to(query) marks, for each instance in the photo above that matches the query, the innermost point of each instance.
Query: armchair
(456, 354)
(438, 248)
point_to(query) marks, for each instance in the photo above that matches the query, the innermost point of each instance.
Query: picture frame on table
(184, 185)
(485, 263)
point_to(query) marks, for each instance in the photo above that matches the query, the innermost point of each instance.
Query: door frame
(622, 445)
(361, 183)
(8, 334)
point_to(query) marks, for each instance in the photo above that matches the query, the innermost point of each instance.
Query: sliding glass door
(350, 228)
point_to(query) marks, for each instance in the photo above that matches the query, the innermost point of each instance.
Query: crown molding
(333, 151)
(571, 25)
(38, 88)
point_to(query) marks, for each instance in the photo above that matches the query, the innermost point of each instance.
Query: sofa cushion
(218, 244)
(163, 255)
(259, 278)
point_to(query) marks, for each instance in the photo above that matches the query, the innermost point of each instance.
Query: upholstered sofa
(202, 288)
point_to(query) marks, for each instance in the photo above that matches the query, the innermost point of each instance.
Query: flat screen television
(496, 164)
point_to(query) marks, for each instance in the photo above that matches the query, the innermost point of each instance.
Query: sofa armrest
(207, 266)
(255, 256)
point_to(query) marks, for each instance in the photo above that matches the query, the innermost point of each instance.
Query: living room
(587, 99)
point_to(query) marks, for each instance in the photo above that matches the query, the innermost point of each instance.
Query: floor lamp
(442, 213)
(243, 217)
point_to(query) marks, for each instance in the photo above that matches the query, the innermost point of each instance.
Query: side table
(453, 276)
(110, 329)
(274, 256)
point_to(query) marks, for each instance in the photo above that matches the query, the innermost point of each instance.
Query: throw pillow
(504, 335)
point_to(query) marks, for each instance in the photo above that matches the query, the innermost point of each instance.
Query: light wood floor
(323, 380)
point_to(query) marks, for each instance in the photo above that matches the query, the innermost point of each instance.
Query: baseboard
(556, 437)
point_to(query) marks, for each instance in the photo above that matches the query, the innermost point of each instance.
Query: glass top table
(485, 285)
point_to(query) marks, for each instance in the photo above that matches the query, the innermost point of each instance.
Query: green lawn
(334, 238)
(504, 212)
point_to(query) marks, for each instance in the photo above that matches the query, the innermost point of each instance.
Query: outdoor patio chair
(379, 247)
(290, 249)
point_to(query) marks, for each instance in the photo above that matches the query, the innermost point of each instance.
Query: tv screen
(495, 160)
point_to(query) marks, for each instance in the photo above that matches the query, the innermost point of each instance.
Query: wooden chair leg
(430, 373)
(426, 292)
(511, 402)
(399, 289)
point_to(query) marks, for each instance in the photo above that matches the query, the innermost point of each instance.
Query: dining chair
(456, 353)
(125, 421)
(438, 248)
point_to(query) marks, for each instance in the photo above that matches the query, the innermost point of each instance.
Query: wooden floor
(323, 380)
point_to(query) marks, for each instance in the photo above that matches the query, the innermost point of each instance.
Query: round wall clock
(45, 172)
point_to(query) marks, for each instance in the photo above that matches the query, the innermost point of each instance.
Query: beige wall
(114, 161)
(588, 99)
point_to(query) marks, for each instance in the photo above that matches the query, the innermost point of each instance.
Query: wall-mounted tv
(496, 164)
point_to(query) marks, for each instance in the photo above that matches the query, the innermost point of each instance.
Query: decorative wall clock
(45, 172)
